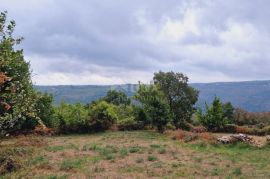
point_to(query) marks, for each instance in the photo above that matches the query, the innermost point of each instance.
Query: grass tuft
(151, 158)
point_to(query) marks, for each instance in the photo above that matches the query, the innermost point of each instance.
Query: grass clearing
(139, 154)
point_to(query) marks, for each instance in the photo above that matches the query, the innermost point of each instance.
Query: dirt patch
(7, 165)
(33, 141)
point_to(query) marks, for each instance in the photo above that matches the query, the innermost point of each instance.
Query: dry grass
(141, 154)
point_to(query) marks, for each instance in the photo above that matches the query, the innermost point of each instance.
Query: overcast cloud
(124, 41)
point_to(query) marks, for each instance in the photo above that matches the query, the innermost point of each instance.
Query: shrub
(155, 105)
(130, 124)
(230, 128)
(184, 135)
(266, 130)
(72, 118)
(242, 129)
(207, 136)
(102, 116)
(170, 126)
(151, 158)
(242, 117)
(140, 115)
(17, 96)
(117, 98)
(45, 109)
(190, 137)
(216, 116)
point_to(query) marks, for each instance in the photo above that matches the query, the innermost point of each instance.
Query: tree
(155, 105)
(228, 110)
(17, 96)
(117, 98)
(180, 96)
(216, 116)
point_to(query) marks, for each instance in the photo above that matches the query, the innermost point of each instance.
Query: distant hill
(251, 95)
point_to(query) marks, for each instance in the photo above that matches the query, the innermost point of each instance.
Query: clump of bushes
(187, 136)
(102, 116)
(80, 118)
(216, 116)
(260, 119)
(71, 118)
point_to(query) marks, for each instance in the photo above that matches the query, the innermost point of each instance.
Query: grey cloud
(106, 37)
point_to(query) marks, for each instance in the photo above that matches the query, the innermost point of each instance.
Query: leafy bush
(17, 96)
(45, 109)
(155, 105)
(216, 116)
(72, 118)
(117, 98)
(230, 128)
(266, 130)
(102, 116)
(130, 124)
(242, 117)
(131, 117)
(140, 115)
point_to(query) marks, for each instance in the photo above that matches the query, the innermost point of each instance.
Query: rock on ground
(234, 138)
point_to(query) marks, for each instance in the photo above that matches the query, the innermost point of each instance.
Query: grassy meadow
(140, 154)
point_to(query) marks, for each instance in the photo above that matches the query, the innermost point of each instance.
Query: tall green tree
(117, 98)
(155, 105)
(180, 96)
(217, 115)
(228, 110)
(17, 96)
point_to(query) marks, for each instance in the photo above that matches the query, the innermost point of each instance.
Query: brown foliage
(187, 136)
(199, 129)
(241, 129)
(243, 117)
(207, 136)
(43, 130)
(3, 78)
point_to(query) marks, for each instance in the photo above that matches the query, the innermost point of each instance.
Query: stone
(226, 139)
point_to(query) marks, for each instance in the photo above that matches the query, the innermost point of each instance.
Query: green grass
(151, 158)
(135, 149)
(40, 160)
(61, 147)
(123, 153)
(162, 150)
(237, 171)
(138, 154)
(67, 164)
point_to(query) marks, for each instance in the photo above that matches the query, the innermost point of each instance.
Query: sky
(100, 42)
